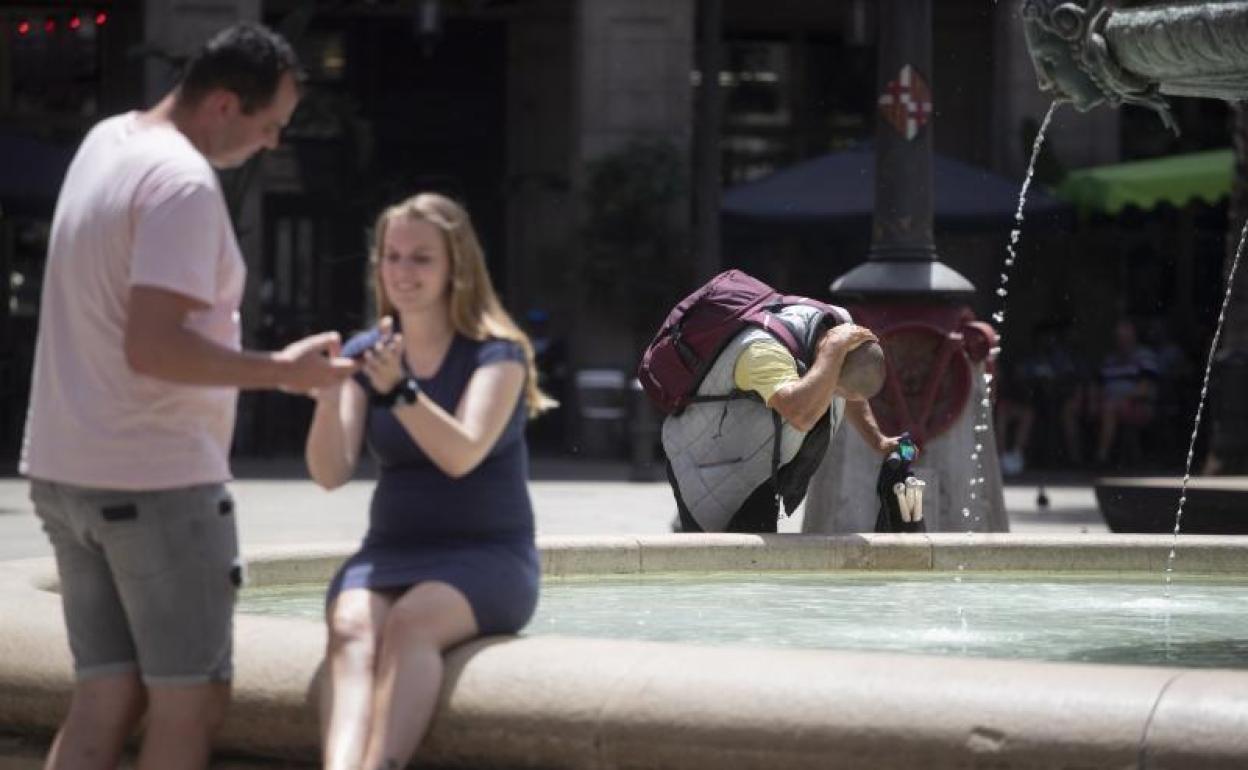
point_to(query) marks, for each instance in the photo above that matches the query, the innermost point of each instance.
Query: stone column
(632, 60)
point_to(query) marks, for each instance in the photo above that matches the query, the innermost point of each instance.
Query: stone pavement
(278, 505)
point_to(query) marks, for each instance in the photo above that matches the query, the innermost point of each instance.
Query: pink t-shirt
(139, 206)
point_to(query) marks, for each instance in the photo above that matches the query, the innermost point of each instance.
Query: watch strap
(405, 390)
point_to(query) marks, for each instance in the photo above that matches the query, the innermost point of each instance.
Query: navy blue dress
(474, 532)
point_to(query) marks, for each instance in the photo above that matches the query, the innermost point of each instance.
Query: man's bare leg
(182, 722)
(103, 713)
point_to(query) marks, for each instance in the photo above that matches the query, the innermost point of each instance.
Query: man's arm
(804, 401)
(862, 418)
(158, 344)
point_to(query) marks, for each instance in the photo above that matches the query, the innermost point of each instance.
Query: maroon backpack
(702, 325)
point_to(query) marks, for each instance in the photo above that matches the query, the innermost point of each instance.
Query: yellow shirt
(765, 367)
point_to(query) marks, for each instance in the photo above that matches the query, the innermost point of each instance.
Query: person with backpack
(754, 383)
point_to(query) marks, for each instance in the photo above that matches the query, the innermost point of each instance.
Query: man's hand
(859, 414)
(839, 340)
(888, 444)
(312, 363)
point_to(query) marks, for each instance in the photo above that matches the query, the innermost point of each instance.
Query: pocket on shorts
(148, 534)
(215, 534)
(134, 534)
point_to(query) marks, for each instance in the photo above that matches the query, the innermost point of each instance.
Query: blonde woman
(441, 400)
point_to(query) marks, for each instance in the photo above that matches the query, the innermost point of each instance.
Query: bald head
(862, 373)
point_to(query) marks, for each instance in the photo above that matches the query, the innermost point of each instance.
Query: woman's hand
(384, 363)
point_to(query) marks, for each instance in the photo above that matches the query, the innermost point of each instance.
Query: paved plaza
(278, 505)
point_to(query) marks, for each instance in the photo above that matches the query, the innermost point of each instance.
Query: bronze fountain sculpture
(1093, 52)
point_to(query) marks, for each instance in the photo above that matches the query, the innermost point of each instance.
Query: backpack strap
(731, 395)
(841, 314)
(771, 323)
(687, 356)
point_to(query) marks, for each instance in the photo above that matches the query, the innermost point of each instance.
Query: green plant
(635, 240)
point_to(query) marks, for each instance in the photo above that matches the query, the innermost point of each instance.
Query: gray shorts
(148, 579)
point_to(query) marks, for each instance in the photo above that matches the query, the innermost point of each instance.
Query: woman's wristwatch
(405, 390)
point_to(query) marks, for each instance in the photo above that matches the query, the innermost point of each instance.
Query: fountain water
(1200, 406)
(998, 317)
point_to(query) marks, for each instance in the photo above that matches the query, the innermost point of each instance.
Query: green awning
(1145, 183)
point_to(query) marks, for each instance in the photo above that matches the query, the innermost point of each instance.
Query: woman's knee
(353, 628)
(432, 613)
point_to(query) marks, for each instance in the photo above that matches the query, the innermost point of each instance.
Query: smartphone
(906, 448)
(360, 344)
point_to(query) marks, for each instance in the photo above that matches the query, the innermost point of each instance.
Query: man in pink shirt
(137, 370)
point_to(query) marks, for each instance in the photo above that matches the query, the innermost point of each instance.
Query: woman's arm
(458, 443)
(336, 435)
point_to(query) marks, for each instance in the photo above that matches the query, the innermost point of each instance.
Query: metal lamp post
(916, 305)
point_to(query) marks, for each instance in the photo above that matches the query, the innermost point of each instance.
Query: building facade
(515, 107)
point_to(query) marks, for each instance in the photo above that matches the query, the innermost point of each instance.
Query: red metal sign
(906, 102)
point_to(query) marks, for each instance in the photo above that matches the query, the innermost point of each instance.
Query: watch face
(409, 390)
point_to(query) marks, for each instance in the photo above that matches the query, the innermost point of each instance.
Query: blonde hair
(475, 310)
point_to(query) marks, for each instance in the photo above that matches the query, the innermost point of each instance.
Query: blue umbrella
(840, 186)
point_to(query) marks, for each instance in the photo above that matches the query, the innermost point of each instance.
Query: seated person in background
(1128, 388)
(1176, 384)
(1050, 380)
(726, 468)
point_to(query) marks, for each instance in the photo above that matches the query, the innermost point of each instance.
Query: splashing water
(1011, 255)
(998, 318)
(1200, 406)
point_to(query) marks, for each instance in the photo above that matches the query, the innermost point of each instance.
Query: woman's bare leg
(428, 619)
(355, 621)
